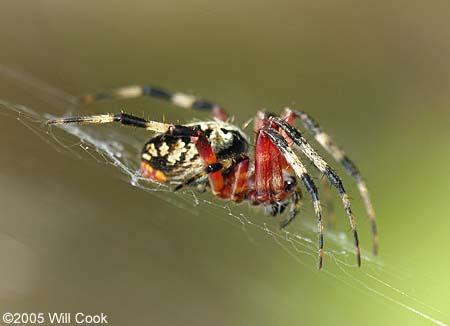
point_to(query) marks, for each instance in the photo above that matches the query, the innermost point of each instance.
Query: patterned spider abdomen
(166, 157)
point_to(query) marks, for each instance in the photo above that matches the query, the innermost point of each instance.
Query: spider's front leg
(339, 155)
(272, 155)
(323, 167)
(279, 143)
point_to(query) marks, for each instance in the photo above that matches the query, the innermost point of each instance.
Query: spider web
(114, 147)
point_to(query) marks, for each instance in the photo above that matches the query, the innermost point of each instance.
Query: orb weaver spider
(215, 154)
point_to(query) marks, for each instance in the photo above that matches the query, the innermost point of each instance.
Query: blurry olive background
(375, 74)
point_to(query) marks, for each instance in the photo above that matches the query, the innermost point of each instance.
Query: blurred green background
(375, 74)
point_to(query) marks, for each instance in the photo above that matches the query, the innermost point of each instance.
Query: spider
(215, 154)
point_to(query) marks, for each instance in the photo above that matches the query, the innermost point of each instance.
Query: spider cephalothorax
(215, 154)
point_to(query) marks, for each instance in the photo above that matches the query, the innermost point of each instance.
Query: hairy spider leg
(134, 121)
(323, 167)
(123, 118)
(182, 100)
(293, 160)
(339, 155)
(294, 209)
(235, 183)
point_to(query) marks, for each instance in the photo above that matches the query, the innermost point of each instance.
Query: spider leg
(259, 120)
(123, 118)
(239, 185)
(179, 99)
(323, 167)
(235, 183)
(295, 207)
(222, 166)
(298, 167)
(268, 172)
(133, 121)
(339, 155)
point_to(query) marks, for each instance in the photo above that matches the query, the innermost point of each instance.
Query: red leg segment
(269, 165)
(207, 154)
(240, 181)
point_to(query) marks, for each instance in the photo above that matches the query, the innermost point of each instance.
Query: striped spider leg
(323, 167)
(339, 155)
(294, 162)
(182, 100)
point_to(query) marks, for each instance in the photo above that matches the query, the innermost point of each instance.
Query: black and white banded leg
(179, 99)
(300, 170)
(123, 118)
(130, 120)
(323, 167)
(339, 155)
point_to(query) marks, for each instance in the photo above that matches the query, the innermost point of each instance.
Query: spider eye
(289, 184)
